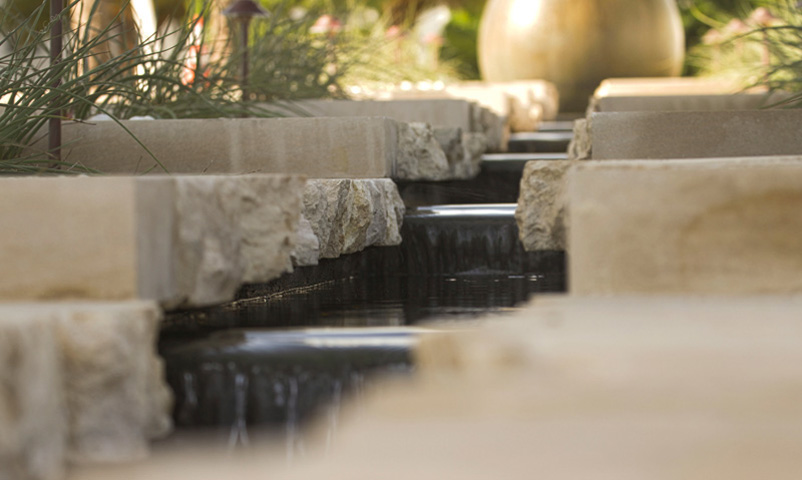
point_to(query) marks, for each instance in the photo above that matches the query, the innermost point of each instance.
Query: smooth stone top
(315, 147)
(716, 226)
(666, 135)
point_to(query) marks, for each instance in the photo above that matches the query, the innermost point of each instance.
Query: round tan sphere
(578, 43)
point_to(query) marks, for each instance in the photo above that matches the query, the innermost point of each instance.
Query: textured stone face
(307, 245)
(349, 215)
(80, 382)
(420, 156)
(268, 209)
(33, 413)
(580, 147)
(542, 205)
(726, 226)
(114, 381)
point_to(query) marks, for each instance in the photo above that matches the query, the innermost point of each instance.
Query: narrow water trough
(237, 367)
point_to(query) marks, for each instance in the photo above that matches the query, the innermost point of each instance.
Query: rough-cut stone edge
(581, 146)
(349, 215)
(97, 342)
(542, 206)
(420, 155)
(33, 425)
(307, 246)
(267, 224)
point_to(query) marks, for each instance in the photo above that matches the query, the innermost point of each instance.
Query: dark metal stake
(245, 22)
(54, 124)
(243, 11)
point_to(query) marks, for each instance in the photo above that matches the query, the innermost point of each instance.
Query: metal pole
(54, 124)
(245, 23)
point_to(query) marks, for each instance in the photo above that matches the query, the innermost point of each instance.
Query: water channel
(293, 349)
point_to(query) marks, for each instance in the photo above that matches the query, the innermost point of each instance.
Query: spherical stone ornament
(577, 43)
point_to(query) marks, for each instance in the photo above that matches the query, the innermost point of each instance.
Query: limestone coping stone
(437, 112)
(659, 86)
(351, 147)
(179, 240)
(538, 100)
(666, 135)
(712, 102)
(525, 103)
(687, 387)
(716, 226)
(82, 384)
(315, 147)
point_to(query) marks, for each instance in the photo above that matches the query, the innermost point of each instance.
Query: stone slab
(665, 135)
(524, 103)
(724, 226)
(348, 215)
(82, 383)
(316, 147)
(179, 240)
(541, 206)
(666, 103)
(658, 86)
(625, 388)
(437, 112)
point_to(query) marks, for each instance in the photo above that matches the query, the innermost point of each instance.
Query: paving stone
(316, 147)
(349, 215)
(723, 226)
(179, 240)
(671, 103)
(523, 102)
(658, 86)
(437, 112)
(666, 135)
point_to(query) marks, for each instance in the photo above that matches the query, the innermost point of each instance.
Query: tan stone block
(658, 86)
(317, 147)
(672, 103)
(179, 240)
(68, 238)
(725, 226)
(437, 112)
(665, 135)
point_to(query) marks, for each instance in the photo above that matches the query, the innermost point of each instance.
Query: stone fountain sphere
(578, 43)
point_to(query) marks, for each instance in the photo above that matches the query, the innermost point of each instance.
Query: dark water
(237, 366)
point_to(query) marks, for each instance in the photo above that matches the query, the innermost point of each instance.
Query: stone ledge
(316, 147)
(719, 226)
(668, 135)
(182, 241)
(676, 103)
(86, 384)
